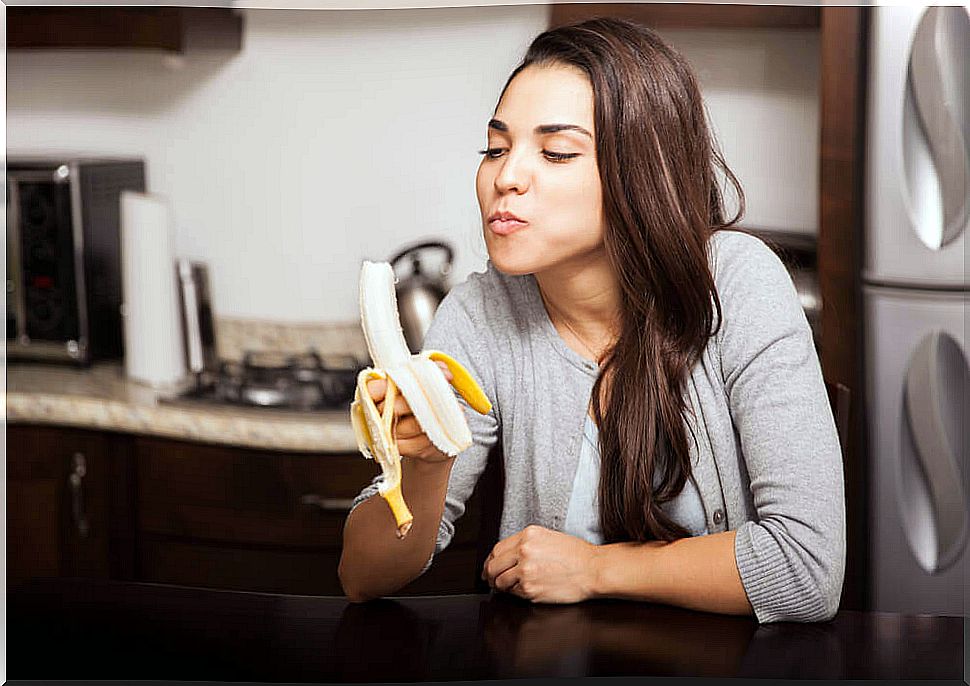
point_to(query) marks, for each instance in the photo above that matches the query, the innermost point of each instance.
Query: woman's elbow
(354, 593)
(832, 595)
(826, 592)
(833, 580)
(815, 596)
(812, 607)
(825, 607)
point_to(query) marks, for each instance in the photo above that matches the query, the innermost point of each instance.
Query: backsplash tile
(236, 336)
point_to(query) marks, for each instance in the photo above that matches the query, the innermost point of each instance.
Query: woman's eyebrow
(500, 125)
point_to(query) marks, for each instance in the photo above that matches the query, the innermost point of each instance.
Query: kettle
(419, 293)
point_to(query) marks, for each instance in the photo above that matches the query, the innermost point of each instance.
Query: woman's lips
(504, 227)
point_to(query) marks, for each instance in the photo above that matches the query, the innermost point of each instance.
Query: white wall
(761, 90)
(335, 136)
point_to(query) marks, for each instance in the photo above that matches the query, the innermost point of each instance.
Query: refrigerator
(916, 295)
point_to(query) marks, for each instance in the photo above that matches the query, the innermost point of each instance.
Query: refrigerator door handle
(939, 84)
(935, 403)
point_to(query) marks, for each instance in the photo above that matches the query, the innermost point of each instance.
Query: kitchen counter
(121, 630)
(101, 397)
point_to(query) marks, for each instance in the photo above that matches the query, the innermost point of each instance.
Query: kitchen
(235, 498)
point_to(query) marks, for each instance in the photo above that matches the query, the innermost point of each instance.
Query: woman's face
(540, 166)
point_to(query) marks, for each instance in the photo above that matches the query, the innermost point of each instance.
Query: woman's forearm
(374, 562)
(698, 573)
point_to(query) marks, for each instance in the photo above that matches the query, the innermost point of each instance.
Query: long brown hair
(657, 163)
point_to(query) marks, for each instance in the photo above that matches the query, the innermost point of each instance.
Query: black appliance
(63, 256)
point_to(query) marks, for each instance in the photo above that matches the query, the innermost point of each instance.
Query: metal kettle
(420, 293)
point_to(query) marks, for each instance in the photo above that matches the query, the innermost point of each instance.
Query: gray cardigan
(767, 460)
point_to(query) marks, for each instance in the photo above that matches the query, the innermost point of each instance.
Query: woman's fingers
(411, 438)
(497, 565)
(444, 368)
(401, 407)
(378, 389)
(407, 427)
(507, 579)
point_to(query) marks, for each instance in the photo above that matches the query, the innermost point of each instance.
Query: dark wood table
(83, 629)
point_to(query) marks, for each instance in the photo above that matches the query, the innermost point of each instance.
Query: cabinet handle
(327, 504)
(79, 468)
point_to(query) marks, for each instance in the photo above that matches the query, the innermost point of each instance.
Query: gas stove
(304, 382)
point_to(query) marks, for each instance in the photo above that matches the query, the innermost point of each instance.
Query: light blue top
(582, 516)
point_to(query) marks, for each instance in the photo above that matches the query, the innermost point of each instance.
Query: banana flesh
(417, 378)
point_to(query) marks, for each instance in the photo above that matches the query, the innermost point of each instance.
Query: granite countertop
(100, 397)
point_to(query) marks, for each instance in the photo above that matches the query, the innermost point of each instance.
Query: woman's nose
(513, 176)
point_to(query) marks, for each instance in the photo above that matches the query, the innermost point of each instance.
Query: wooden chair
(839, 398)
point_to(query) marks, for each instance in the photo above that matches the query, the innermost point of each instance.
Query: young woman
(666, 430)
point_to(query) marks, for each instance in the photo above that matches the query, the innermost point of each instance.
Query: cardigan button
(718, 516)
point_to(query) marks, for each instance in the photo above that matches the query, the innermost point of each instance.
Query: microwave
(63, 256)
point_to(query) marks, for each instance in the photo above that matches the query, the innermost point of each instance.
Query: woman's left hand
(543, 566)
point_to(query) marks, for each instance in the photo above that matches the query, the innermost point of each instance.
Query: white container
(152, 327)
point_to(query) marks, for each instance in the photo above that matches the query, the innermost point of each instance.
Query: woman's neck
(583, 300)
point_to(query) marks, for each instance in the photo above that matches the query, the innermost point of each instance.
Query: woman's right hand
(411, 439)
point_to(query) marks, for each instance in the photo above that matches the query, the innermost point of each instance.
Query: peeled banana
(417, 378)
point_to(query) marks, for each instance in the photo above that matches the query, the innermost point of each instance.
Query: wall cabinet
(172, 29)
(167, 511)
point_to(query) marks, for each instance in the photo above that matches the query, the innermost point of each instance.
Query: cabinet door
(58, 503)
(175, 29)
(260, 520)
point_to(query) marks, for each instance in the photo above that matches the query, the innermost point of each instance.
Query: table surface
(120, 630)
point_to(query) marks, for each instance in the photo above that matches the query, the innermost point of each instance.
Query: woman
(666, 429)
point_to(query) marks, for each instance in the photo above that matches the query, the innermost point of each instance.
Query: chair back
(839, 398)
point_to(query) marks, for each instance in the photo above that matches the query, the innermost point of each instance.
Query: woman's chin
(512, 258)
(511, 265)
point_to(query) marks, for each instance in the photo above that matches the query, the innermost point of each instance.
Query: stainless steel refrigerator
(916, 296)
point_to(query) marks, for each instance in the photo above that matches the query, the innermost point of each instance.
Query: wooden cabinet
(262, 521)
(171, 29)
(168, 511)
(68, 508)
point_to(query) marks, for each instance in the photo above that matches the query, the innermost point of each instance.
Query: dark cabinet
(68, 508)
(99, 504)
(262, 521)
(171, 29)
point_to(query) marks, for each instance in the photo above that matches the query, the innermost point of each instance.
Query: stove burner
(271, 379)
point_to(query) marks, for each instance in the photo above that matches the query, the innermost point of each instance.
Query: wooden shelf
(693, 16)
(170, 29)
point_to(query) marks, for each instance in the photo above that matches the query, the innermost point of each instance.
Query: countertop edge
(179, 423)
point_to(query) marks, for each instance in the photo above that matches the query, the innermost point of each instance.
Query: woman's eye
(560, 156)
(491, 153)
